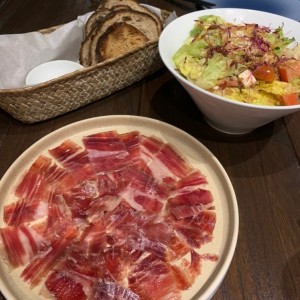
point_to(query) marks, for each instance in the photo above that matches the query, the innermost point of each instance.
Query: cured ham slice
(63, 287)
(108, 186)
(111, 291)
(107, 152)
(157, 278)
(84, 267)
(163, 160)
(35, 190)
(143, 191)
(191, 181)
(23, 211)
(117, 263)
(45, 261)
(173, 161)
(192, 198)
(185, 211)
(79, 197)
(73, 158)
(113, 216)
(123, 214)
(54, 175)
(32, 186)
(150, 205)
(186, 273)
(93, 238)
(75, 276)
(131, 141)
(21, 243)
(70, 155)
(197, 230)
(57, 210)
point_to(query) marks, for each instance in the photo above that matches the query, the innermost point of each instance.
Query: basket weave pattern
(69, 92)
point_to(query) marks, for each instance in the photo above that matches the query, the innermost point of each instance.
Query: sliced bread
(91, 24)
(117, 22)
(141, 21)
(118, 39)
(95, 19)
(133, 4)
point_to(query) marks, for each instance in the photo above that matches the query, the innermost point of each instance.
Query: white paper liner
(22, 52)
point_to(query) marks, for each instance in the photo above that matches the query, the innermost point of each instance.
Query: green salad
(243, 62)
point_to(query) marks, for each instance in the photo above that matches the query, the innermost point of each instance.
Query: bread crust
(91, 24)
(126, 20)
(133, 4)
(95, 19)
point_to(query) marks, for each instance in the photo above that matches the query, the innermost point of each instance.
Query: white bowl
(50, 70)
(223, 114)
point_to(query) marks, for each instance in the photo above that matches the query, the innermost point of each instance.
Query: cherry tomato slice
(290, 99)
(289, 70)
(265, 73)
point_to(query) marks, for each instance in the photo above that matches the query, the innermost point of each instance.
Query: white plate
(226, 230)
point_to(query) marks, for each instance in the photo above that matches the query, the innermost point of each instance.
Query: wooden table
(263, 165)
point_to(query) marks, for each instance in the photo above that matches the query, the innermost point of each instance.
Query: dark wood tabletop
(264, 165)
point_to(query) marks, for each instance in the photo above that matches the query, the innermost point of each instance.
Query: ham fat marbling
(118, 216)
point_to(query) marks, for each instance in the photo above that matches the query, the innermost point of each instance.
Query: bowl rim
(172, 69)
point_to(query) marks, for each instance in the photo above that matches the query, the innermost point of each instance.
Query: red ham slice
(107, 152)
(21, 243)
(74, 158)
(63, 287)
(150, 205)
(197, 230)
(117, 263)
(191, 181)
(35, 190)
(163, 160)
(112, 291)
(93, 238)
(153, 279)
(120, 217)
(76, 275)
(144, 183)
(46, 260)
(23, 211)
(54, 175)
(192, 198)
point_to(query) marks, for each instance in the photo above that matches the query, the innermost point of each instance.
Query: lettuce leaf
(204, 73)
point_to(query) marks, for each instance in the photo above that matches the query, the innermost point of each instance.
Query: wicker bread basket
(67, 93)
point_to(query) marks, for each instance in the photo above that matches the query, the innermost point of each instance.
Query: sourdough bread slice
(133, 4)
(84, 55)
(142, 21)
(95, 19)
(118, 39)
(91, 24)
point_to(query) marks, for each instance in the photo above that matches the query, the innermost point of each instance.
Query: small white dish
(50, 70)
